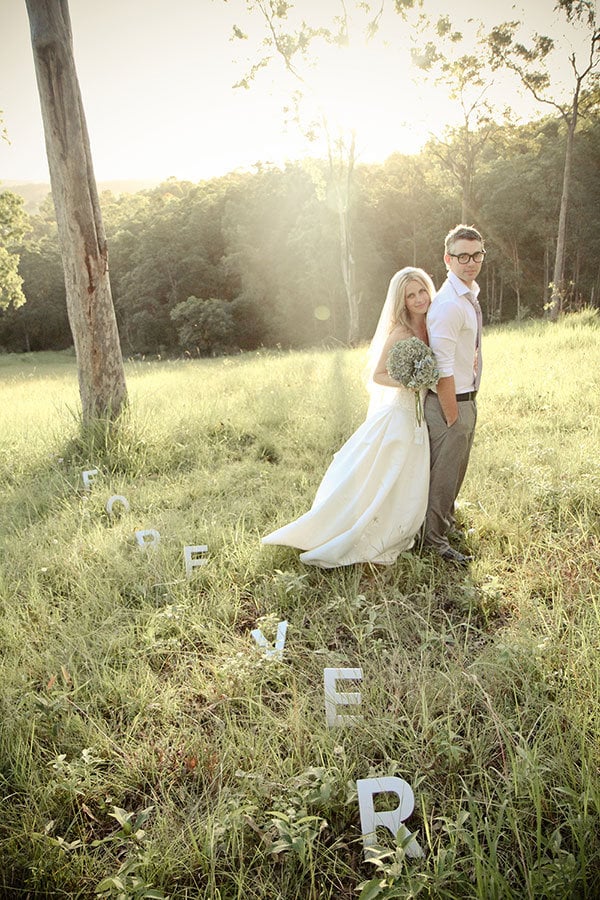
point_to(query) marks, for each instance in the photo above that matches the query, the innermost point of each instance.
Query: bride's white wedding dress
(373, 497)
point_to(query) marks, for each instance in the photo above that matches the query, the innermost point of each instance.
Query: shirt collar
(461, 288)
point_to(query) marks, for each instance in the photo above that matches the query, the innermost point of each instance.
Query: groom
(454, 328)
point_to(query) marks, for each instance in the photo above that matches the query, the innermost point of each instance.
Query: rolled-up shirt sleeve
(444, 323)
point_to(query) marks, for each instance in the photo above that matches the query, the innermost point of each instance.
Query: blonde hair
(399, 314)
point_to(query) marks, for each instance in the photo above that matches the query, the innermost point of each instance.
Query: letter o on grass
(117, 498)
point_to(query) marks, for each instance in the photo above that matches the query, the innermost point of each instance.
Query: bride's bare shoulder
(400, 333)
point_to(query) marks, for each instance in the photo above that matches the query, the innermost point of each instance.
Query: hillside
(34, 193)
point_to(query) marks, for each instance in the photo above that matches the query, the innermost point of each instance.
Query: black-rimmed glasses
(464, 258)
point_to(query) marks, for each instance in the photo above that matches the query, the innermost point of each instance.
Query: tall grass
(148, 747)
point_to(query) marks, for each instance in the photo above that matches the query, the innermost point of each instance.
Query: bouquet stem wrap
(419, 416)
(418, 407)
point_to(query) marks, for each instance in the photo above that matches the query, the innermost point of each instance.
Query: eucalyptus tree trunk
(81, 232)
(466, 204)
(558, 278)
(545, 292)
(341, 177)
(500, 299)
(348, 268)
(514, 252)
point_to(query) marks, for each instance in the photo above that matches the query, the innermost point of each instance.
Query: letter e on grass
(334, 698)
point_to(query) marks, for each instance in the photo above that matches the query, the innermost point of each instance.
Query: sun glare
(178, 114)
(370, 90)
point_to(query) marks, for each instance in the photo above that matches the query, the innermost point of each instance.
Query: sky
(157, 81)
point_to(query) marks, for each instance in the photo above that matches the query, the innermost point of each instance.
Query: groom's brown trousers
(449, 449)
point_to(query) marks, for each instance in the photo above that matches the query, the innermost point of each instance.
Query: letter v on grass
(261, 640)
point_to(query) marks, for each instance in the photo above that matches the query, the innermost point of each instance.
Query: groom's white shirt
(452, 330)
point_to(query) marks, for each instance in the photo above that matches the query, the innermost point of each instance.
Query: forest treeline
(253, 258)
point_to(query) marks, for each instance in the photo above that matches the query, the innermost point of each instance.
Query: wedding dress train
(373, 497)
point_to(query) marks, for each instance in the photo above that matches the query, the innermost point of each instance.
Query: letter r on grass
(392, 819)
(148, 537)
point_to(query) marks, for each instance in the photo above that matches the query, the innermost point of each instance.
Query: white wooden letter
(261, 640)
(191, 560)
(393, 819)
(148, 537)
(116, 498)
(334, 698)
(87, 477)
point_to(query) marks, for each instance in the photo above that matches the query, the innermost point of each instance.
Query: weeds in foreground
(148, 746)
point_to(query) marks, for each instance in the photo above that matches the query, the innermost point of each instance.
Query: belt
(470, 395)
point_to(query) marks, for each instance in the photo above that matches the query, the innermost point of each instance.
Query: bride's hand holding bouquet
(412, 364)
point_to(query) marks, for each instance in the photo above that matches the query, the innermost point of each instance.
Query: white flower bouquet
(413, 364)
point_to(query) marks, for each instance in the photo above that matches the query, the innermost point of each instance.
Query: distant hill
(34, 193)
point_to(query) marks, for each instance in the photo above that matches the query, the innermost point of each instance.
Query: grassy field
(149, 748)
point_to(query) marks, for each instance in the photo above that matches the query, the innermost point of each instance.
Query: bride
(372, 500)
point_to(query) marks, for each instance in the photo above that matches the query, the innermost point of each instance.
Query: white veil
(379, 394)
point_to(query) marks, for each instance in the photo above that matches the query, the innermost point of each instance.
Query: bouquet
(413, 364)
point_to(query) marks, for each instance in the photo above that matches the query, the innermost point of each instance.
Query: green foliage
(42, 321)
(579, 10)
(129, 882)
(13, 226)
(204, 326)
(265, 243)
(3, 131)
(10, 282)
(14, 223)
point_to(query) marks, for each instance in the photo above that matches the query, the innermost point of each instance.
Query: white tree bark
(341, 174)
(81, 233)
(558, 278)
